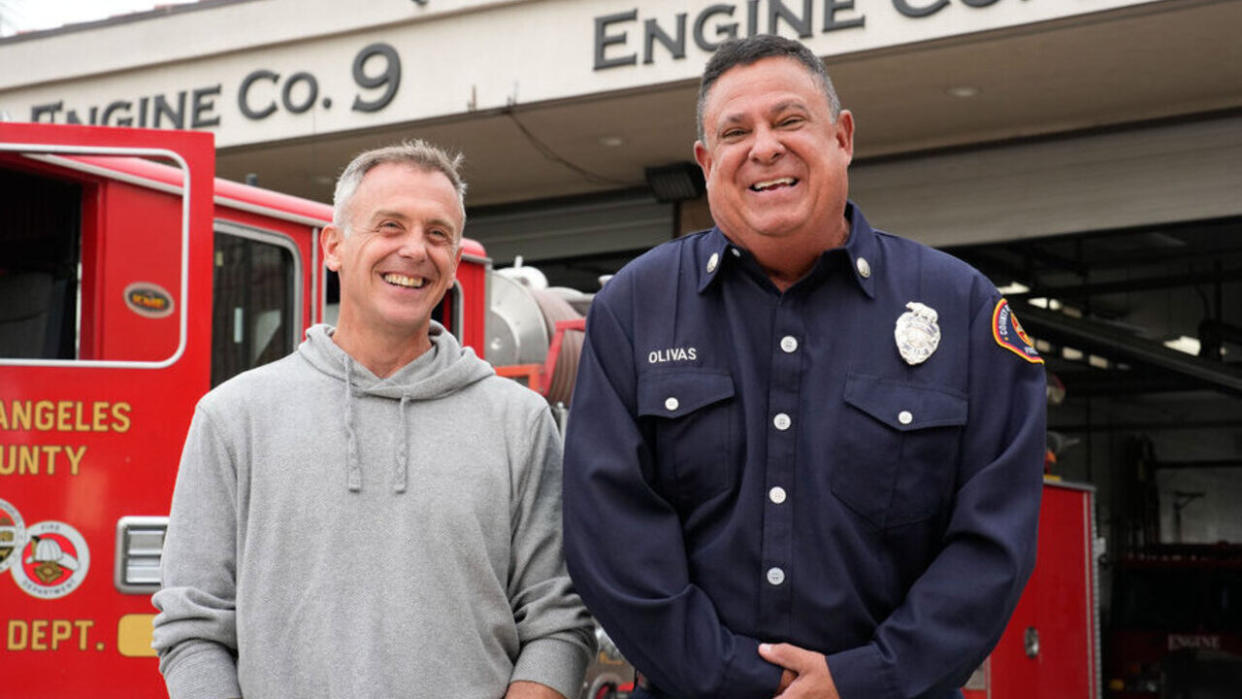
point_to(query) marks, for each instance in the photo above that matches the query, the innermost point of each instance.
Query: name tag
(672, 354)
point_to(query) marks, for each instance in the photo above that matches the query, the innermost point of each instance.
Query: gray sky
(32, 15)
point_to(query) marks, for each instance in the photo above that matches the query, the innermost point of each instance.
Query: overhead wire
(547, 152)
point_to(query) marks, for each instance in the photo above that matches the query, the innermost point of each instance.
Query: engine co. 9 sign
(257, 97)
(376, 73)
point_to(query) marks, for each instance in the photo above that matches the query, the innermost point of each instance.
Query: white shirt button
(782, 421)
(777, 495)
(905, 417)
(671, 403)
(864, 267)
(789, 343)
(776, 576)
(712, 262)
(736, 252)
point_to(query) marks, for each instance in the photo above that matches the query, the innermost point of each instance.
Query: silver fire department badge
(917, 334)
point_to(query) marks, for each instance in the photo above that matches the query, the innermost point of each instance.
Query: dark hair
(743, 52)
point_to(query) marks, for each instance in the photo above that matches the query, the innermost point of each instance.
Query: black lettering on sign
(832, 7)
(726, 30)
(37, 111)
(909, 10)
(603, 40)
(163, 109)
(203, 104)
(653, 33)
(388, 79)
(243, 95)
(777, 11)
(115, 108)
(71, 117)
(311, 94)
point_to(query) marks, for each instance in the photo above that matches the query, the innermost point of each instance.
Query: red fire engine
(1175, 619)
(1051, 646)
(132, 281)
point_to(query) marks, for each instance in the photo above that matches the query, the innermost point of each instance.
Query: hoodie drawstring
(402, 468)
(446, 370)
(353, 480)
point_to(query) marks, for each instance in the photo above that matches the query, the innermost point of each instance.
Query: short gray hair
(416, 153)
(743, 52)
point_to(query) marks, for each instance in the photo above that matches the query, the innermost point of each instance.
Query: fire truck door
(105, 318)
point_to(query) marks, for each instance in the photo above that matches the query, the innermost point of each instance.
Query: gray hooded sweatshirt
(334, 534)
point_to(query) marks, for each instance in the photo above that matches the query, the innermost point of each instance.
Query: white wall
(456, 55)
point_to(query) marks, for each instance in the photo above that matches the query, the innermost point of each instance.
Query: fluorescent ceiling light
(1185, 343)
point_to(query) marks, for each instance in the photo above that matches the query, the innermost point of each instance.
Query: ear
(845, 134)
(331, 238)
(704, 158)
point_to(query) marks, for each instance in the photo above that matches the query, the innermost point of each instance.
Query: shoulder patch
(1009, 334)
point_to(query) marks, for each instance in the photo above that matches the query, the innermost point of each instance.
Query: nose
(413, 245)
(767, 146)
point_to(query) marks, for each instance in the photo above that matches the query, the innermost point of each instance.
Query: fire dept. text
(47, 634)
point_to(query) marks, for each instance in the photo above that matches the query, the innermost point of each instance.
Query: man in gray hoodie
(377, 514)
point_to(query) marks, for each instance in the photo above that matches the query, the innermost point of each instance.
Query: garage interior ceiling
(1107, 303)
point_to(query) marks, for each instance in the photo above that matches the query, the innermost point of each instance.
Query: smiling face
(399, 257)
(774, 158)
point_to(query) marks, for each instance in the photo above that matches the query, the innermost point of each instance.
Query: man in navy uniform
(804, 457)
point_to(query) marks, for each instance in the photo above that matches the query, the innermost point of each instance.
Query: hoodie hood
(441, 371)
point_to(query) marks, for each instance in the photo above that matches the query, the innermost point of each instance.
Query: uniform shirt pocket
(692, 411)
(899, 449)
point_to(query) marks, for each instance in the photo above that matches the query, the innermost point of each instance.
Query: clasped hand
(806, 674)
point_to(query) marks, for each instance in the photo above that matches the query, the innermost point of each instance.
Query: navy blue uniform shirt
(744, 466)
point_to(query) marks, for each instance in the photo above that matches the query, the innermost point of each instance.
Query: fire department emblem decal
(12, 535)
(917, 333)
(1009, 334)
(53, 562)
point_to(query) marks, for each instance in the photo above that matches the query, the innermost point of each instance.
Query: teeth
(402, 280)
(769, 184)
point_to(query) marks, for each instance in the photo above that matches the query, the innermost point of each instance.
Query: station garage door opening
(1142, 332)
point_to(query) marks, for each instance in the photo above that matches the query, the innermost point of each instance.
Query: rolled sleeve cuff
(552, 662)
(861, 673)
(207, 674)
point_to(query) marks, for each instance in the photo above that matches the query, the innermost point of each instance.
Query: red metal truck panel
(85, 443)
(1050, 649)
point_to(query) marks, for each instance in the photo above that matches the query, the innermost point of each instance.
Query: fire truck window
(1180, 599)
(40, 239)
(1160, 598)
(252, 308)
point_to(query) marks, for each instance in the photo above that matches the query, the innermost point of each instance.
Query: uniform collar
(862, 250)
(714, 252)
(710, 256)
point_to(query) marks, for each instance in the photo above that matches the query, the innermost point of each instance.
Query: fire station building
(1085, 154)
